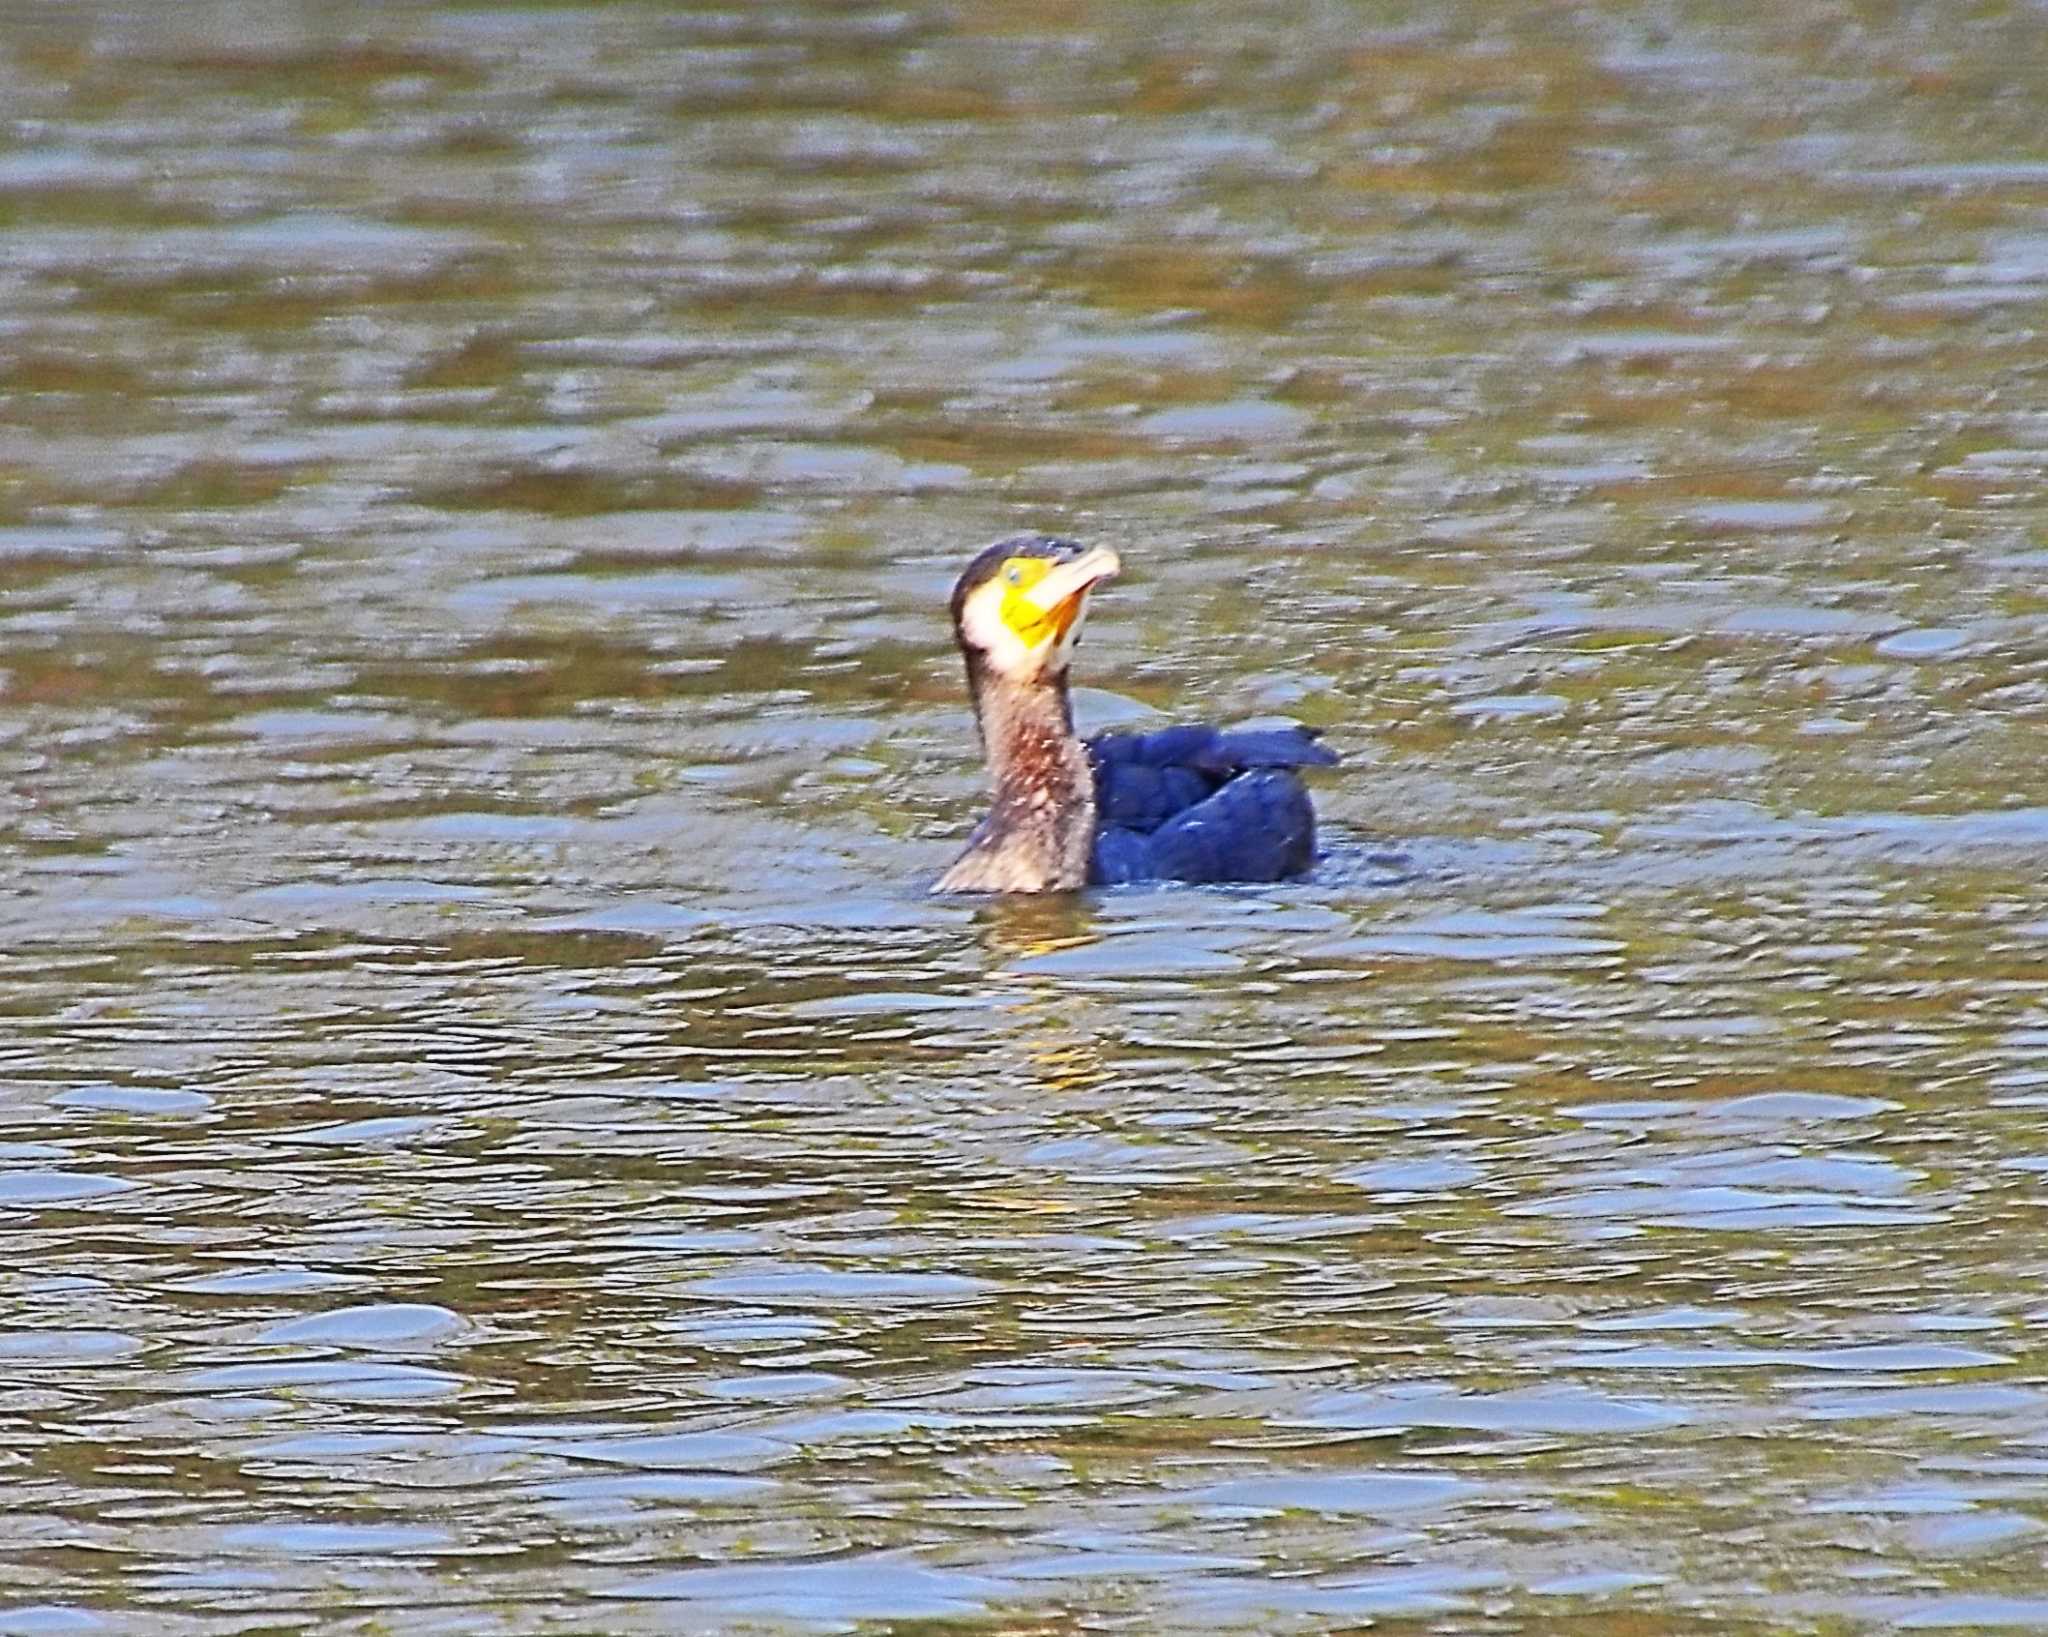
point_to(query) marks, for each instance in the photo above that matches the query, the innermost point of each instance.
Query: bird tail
(1274, 747)
(1215, 750)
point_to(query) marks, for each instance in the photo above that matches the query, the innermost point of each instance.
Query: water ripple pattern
(499, 1141)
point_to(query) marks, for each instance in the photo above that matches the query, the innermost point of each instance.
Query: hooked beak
(1065, 582)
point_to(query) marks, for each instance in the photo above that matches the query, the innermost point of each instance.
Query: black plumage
(1196, 803)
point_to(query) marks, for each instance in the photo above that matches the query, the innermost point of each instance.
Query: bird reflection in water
(1018, 928)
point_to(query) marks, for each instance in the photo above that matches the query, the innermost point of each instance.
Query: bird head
(1018, 608)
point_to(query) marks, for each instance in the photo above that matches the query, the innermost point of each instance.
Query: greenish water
(499, 1140)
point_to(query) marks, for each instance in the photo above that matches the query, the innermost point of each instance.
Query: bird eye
(1014, 574)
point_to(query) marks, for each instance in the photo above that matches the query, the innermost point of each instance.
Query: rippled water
(499, 1139)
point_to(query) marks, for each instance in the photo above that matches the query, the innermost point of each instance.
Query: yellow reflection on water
(1060, 1054)
(1027, 924)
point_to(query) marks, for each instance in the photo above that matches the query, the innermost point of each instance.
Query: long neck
(1040, 829)
(1027, 733)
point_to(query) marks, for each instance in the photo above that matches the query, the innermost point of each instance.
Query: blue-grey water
(498, 1138)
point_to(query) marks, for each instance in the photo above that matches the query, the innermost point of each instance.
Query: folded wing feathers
(1143, 779)
(1259, 827)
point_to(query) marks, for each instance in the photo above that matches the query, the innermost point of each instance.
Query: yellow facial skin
(1030, 609)
(1021, 613)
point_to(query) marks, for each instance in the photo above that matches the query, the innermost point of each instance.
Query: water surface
(500, 1140)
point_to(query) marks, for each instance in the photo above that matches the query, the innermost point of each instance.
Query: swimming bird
(1191, 803)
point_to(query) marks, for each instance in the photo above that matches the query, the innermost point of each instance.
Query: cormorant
(1190, 803)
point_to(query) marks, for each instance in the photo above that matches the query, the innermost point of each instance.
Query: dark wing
(1144, 779)
(1199, 804)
